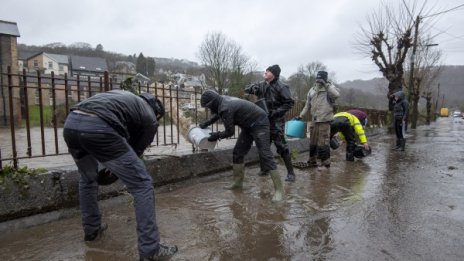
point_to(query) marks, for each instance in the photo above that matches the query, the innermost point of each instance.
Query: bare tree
(299, 85)
(386, 39)
(224, 60)
(311, 71)
(302, 81)
(426, 70)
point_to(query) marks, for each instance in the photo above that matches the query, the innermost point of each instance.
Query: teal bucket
(295, 129)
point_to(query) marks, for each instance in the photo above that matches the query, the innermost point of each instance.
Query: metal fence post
(26, 111)
(12, 123)
(107, 81)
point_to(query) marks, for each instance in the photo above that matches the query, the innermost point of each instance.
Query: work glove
(213, 136)
(203, 125)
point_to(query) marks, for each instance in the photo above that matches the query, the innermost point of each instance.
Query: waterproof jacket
(355, 124)
(401, 106)
(127, 113)
(318, 101)
(277, 96)
(234, 111)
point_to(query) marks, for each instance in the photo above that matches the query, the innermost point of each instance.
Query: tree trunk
(429, 109)
(414, 115)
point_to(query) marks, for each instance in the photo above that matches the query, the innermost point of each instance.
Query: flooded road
(389, 206)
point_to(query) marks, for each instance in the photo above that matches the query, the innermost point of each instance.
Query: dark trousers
(91, 140)
(399, 128)
(260, 134)
(343, 125)
(278, 137)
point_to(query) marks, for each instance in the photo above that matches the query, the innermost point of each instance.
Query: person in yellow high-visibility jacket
(347, 126)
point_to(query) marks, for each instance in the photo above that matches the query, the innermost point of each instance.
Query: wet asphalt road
(388, 206)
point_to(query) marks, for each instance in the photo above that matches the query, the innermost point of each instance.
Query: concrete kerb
(58, 189)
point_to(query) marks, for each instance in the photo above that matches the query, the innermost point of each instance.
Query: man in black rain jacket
(254, 126)
(278, 101)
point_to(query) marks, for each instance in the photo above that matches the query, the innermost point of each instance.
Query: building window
(36, 63)
(61, 67)
(50, 65)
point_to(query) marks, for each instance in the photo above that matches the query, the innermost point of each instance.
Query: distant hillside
(451, 86)
(375, 86)
(84, 49)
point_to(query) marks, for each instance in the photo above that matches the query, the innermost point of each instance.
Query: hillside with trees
(146, 65)
(451, 80)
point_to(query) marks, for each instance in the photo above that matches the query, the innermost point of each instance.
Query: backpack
(333, 103)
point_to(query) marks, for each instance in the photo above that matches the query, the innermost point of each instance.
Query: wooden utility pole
(436, 102)
(411, 91)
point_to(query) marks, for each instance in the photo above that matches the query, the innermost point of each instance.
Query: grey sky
(290, 33)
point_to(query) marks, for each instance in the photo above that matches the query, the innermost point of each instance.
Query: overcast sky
(289, 33)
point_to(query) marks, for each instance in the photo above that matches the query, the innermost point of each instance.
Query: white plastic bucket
(199, 137)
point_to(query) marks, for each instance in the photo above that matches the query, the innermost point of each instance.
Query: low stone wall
(59, 189)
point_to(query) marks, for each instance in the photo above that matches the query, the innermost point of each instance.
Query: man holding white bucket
(254, 126)
(278, 101)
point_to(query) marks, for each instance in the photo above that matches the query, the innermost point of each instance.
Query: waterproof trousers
(91, 140)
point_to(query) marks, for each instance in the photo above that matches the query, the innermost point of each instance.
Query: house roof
(59, 58)
(9, 28)
(142, 77)
(92, 64)
(24, 55)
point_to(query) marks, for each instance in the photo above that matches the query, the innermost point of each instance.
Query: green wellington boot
(238, 175)
(279, 190)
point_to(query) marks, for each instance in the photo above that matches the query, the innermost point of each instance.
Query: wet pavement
(388, 206)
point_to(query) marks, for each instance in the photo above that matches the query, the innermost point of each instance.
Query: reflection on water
(389, 206)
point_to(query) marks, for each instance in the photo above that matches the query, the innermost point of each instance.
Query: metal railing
(34, 107)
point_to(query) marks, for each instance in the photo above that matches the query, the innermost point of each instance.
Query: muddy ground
(389, 206)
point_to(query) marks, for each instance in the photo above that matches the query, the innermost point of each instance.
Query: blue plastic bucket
(295, 129)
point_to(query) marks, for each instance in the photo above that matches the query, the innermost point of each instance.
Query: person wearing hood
(278, 101)
(361, 115)
(400, 113)
(320, 101)
(254, 125)
(113, 129)
(348, 127)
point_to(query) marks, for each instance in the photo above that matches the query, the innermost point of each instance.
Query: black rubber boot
(402, 144)
(312, 156)
(398, 144)
(349, 156)
(288, 164)
(350, 151)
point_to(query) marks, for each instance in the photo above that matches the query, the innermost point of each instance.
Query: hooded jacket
(277, 96)
(318, 101)
(355, 124)
(401, 106)
(128, 114)
(233, 111)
